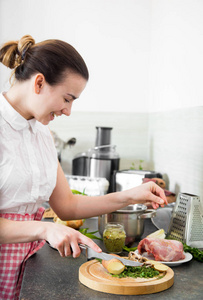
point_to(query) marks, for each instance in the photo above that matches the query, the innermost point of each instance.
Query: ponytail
(52, 58)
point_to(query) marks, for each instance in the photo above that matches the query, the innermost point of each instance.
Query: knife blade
(90, 254)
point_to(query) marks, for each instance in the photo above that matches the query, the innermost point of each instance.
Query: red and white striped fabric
(13, 258)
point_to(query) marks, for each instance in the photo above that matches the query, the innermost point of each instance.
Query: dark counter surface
(49, 276)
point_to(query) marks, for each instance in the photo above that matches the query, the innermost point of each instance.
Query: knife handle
(83, 249)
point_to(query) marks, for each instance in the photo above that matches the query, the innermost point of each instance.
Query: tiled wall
(168, 142)
(176, 148)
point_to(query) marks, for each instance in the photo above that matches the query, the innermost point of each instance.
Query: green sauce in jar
(114, 237)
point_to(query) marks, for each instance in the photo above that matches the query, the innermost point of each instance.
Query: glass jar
(114, 237)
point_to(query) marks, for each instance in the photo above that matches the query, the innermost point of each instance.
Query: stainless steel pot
(132, 217)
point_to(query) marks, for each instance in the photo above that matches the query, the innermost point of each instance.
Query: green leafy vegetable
(140, 165)
(90, 235)
(196, 253)
(135, 272)
(129, 249)
(75, 192)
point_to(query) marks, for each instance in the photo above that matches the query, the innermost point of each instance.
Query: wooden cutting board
(93, 275)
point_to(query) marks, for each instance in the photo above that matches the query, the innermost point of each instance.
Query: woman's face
(51, 101)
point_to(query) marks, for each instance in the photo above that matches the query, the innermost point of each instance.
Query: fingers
(60, 249)
(163, 196)
(75, 249)
(64, 248)
(155, 205)
(154, 195)
(86, 241)
(67, 249)
(157, 195)
(156, 199)
(69, 246)
(90, 243)
(68, 242)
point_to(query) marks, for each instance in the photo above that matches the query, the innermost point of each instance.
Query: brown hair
(52, 58)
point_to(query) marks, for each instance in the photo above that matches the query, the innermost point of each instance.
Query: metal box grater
(186, 223)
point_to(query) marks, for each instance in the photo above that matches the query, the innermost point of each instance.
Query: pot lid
(133, 208)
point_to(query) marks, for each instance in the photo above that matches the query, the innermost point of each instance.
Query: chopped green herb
(160, 277)
(135, 272)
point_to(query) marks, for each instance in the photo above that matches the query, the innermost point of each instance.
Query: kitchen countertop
(49, 276)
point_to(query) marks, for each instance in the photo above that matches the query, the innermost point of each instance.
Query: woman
(49, 76)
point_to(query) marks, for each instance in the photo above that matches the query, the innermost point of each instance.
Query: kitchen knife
(90, 254)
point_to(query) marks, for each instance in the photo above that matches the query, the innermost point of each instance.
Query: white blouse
(28, 162)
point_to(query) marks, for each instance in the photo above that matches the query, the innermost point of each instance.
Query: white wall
(143, 55)
(176, 148)
(176, 93)
(176, 54)
(111, 35)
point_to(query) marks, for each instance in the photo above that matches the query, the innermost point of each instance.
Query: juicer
(100, 161)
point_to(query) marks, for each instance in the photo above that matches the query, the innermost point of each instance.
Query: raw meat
(162, 249)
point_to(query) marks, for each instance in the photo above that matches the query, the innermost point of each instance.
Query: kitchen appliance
(132, 217)
(187, 220)
(99, 161)
(79, 164)
(126, 179)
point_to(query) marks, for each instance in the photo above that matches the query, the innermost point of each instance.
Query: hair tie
(25, 50)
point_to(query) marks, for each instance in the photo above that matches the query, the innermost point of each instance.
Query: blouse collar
(14, 118)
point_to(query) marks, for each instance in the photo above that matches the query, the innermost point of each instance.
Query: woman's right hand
(149, 194)
(65, 239)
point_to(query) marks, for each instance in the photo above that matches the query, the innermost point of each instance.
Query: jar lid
(114, 225)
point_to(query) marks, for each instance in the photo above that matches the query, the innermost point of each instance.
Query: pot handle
(149, 213)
